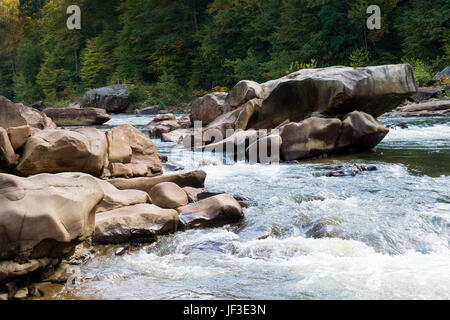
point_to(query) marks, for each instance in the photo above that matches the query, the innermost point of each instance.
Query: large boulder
(214, 211)
(54, 151)
(138, 223)
(16, 115)
(188, 179)
(7, 154)
(98, 147)
(309, 138)
(209, 107)
(46, 215)
(424, 94)
(360, 131)
(77, 116)
(114, 99)
(18, 136)
(168, 195)
(244, 91)
(334, 91)
(129, 146)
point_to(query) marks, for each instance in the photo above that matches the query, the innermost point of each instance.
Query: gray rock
(114, 99)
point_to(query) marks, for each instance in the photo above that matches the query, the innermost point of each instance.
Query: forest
(169, 52)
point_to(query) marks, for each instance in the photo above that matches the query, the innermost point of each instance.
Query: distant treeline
(173, 50)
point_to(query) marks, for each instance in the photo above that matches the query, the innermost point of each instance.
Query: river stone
(114, 99)
(77, 116)
(360, 131)
(18, 136)
(55, 151)
(168, 195)
(244, 91)
(7, 154)
(192, 193)
(214, 211)
(334, 91)
(188, 179)
(140, 223)
(209, 107)
(126, 144)
(46, 215)
(309, 138)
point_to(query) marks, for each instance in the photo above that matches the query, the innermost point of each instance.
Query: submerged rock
(349, 170)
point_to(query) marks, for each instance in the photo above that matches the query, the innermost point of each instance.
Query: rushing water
(388, 230)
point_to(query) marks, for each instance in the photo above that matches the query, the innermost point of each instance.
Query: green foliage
(359, 58)
(422, 72)
(295, 66)
(166, 92)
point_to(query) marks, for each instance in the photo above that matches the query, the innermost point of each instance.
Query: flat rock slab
(424, 109)
(77, 116)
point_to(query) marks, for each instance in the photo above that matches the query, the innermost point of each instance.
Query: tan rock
(46, 215)
(141, 222)
(18, 136)
(192, 193)
(7, 154)
(244, 91)
(209, 107)
(168, 195)
(77, 116)
(192, 179)
(214, 211)
(98, 147)
(120, 170)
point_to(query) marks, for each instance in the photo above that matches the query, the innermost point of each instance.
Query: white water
(389, 232)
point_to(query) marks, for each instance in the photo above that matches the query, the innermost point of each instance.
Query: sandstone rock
(12, 269)
(127, 144)
(168, 195)
(55, 151)
(114, 99)
(244, 91)
(236, 144)
(192, 193)
(17, 115)
(141, 223)
(209, 107)
(265, 150)
(334, 91)
(77, 116)
(309, 138)
(192, 179)
(46, 215)
(164, 116)
(360, 131)
(214, 211)
(176, 135)
(18, 136)
(7, 154)
(424, 109)
(120, 170)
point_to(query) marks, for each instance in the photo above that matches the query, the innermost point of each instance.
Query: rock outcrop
(46, 215)
(209, 107)
(77, 116)
(18, 136)
(114, 99)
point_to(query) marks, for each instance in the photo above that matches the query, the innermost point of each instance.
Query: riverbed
(382, 234)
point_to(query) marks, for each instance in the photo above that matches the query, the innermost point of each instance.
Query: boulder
(444, 74)
(244, 91)
(360, 131)
(214, 211)
(98, 147)
(424, 94)
(7, 154)
(164, 116)
(39, 105)
(209, 107)
(138, 223)
(168, 195)
(77, 116)
(192, 179)
(175, 135)
(265, 150)
(429, 108)
(54, 151)
(127, 144)
(18, 136)
(46, 215)
(114, 99)
(309, 138)
(236, 144)
(192, 193)
(334, 91)
(149, 110)
(17, 115)
(120, 170)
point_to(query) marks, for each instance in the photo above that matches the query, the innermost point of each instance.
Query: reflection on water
(383, 234)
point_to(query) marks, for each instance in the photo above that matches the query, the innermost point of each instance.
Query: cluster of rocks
(315, 111)
(169, 128)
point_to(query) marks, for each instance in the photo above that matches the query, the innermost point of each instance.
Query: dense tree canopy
(194, 46)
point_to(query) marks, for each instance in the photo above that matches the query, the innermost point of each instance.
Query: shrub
(422, 72)
(359, 58)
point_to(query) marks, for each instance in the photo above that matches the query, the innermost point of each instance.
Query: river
(388, 230)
